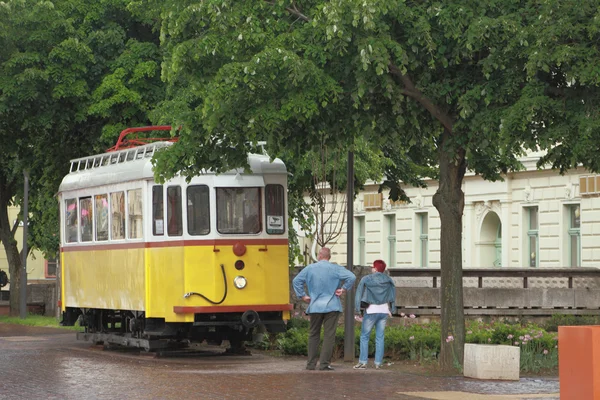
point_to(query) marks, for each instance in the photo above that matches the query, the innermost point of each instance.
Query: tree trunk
(13, 257)
(449, 201)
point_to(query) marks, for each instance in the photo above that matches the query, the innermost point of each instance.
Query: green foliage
(421, 342)
(569, 320)
(293, 341)
(298, 323)
(72, 75)
(268, 73)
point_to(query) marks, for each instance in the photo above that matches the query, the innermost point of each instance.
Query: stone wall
(44, 295)
(41, 298)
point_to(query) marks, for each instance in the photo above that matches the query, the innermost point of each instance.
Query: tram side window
(238, 210)
(117, 205)
(71, 220)
(274, 208)
(158, 227)
(86, 217)
(101, 203)
(198, 210)
(174, 218)
(134, 208)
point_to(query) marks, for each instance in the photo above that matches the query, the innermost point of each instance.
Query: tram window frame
(71, 221)
(86, 218)
(232, 212)
(174, 210)
(203, 209)
(133, 215)
(158, 211)
(271, 219)
(101, 214)
(114, 215)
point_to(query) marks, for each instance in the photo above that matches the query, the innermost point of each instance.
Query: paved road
(46, 363)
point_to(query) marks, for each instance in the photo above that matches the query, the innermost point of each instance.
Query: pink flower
(545, 351)
(402, 314)
(516, 343)
(449, 339)
(412, 315)
(510, 337)
(411, 338)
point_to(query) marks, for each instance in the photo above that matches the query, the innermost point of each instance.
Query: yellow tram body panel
(265, 270)
(107, 279)
(155, 278)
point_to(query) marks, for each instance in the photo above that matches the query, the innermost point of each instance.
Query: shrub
(569, 320)
(294, 341)
(421, 342)
(298, 323)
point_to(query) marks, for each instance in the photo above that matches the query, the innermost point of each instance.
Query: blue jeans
(369, 321)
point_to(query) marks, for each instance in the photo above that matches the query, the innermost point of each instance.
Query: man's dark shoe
(327, 368)
(310, 368)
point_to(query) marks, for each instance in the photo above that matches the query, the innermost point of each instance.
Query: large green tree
(459, 85)
(73, 73)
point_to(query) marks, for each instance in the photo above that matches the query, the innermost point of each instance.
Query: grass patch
(36, 320)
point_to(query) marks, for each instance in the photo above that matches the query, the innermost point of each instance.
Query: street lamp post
(23, 291)
(349, 309)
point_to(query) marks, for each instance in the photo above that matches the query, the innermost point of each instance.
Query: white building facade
(534, 218)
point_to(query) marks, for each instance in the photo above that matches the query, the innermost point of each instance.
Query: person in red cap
(377, 292)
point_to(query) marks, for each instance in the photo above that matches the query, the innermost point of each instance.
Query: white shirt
(378, 309)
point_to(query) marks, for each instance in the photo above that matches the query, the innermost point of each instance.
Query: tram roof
(135, 164)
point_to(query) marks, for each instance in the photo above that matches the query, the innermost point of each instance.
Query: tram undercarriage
(133, 329)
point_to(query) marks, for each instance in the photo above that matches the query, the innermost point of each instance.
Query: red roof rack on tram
(123, 143)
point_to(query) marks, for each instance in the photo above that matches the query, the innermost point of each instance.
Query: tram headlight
(240, 282)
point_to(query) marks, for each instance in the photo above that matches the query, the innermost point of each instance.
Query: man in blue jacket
(324, 280)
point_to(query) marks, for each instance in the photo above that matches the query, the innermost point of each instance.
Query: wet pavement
(49, 363)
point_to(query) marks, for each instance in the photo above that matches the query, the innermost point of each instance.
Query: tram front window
(238, 210)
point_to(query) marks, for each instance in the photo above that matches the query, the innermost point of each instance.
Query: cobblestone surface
(45, 363)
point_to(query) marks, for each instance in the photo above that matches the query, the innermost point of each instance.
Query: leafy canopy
(73, 74)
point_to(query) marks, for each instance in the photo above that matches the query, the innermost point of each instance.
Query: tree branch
(294, 11)
(13, 229)
(411, 90)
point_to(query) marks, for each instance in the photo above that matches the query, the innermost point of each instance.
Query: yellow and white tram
(142, 262)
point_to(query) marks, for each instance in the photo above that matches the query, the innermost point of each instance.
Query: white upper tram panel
(135, 164)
